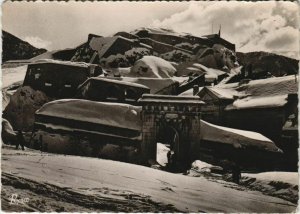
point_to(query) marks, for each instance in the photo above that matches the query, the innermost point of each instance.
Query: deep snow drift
(151, 66)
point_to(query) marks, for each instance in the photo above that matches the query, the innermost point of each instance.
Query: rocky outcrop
(22, 106)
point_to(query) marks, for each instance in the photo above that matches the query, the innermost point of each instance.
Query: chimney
(195, 89)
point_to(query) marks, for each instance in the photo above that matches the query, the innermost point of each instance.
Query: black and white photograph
(150, 106)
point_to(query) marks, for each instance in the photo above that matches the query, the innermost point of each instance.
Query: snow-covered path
(87, 175)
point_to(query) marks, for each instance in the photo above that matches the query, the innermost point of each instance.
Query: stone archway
(180, 114)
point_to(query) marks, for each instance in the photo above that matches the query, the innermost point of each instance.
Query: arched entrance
(171, 120)
(170, 138)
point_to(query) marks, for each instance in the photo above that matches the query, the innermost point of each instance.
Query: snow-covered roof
(154, 84)
(150, 98)
(237, 138)
(109, 114)
(180, 79)
(258, 102)
(69, 63)
(156, 30)
(192, 69)
(115, 81)
(222, 93)
(145, 45)
(233, 72)
(271, 92)
(271, 86)
(209, 71)
(264, 93)
(188, 92)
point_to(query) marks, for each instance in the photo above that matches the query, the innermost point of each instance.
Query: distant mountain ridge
(264, 62)
(13, 48)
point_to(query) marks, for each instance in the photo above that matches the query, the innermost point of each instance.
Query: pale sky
(252, 26)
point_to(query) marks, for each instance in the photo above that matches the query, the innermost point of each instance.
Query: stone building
(59, 79)
(111, 90)
(106, 46)
(165, 118)
(88, 128)
(217, 39)
(266, 106)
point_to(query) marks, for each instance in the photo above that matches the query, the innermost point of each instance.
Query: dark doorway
(169, 137)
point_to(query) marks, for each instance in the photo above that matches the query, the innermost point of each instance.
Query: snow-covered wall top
(238, 138)
(109, 114)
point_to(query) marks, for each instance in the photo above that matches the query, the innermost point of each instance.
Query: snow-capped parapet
(151, 66)
(156, 30)
(109, 114)
(70, 63)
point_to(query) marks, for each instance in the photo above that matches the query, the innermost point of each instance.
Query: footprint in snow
(167, 189)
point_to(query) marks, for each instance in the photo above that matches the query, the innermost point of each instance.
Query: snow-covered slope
(89, 176)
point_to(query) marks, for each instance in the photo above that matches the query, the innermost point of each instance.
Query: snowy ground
(285, 177)
(12, 75)
(68, 183)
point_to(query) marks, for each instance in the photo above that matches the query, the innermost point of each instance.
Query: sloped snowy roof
(69, 63)
(189, 92)
(233, 72)
(115, 81)
(258, 102)
(209, 71)
(109, 114)
(156, 30)
(222, 93)
(237, 138)
(154, 84)
(150, 98)
(271, 86)
(271, 92)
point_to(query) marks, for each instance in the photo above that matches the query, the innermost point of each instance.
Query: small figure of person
(236, 173)
(43, 146)
(20, 140)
